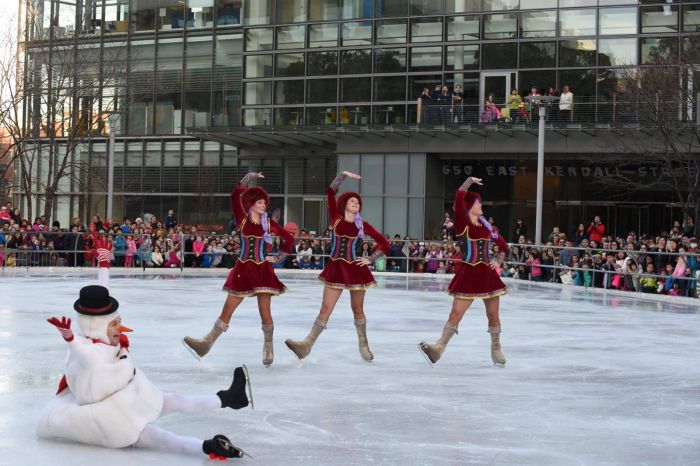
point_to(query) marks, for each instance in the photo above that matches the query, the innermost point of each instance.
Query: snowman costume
(104, 400)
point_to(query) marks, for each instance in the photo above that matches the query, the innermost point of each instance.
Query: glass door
(498, 83)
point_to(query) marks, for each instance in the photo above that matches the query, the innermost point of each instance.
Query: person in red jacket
(596, 230)
(477, 277)
(253, 274)
(345, 270)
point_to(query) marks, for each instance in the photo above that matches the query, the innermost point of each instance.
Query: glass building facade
(225, 65)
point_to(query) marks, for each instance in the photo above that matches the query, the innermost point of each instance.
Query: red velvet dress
(475, 279)
(252, 274)
(340, 271)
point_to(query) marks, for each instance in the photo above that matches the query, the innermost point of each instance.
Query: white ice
(591, 378)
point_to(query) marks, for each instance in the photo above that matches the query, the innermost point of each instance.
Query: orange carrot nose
(123, 329)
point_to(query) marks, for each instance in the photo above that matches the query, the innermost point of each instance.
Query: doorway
(498, 83)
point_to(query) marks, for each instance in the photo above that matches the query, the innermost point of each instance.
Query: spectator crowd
(667, 263)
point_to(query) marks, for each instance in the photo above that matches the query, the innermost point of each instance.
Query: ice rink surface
(591, 378)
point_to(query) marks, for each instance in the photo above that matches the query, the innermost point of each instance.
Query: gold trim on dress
(342, 286)
(255, 291)
(472, 296)
(243, 261)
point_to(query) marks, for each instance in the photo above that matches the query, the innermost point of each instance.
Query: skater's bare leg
(189, 404)
(357, 301)
(459, 307)
(264, 307)
(302, 348)
(201, 346)
(160, 439)
(434, 351)
(492, 311)
(230, 306)
(330, 299)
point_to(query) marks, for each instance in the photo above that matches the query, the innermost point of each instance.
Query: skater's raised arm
(332, 190)
(236, 206)
(461, 214)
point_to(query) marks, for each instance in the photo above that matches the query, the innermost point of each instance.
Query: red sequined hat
(253, 195)
(343, 200)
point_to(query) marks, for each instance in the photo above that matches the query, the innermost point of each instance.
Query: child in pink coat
(130, 251)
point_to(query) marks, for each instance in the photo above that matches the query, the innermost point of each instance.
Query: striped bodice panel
(343, 247)
(475, 251)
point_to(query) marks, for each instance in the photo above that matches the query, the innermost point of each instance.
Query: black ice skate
(240, 393)
(221, 448)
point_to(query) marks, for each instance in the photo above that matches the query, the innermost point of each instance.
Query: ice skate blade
(249, 386)
(427, 359)
(497, 364)
(192, 352)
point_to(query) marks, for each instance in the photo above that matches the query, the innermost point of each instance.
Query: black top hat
(95, 301)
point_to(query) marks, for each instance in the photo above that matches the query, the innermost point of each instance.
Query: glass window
(356, 33)
(577, 52)
(575, 3)
(658, 50)
(257, 116)
(617, 52)
(354, 115)
(659, 19)
(140, 90)
(289, 91)
(352, 9)
(538, 54)
(538, 24)
(691, 18)
(169, 79)
(426, 30)
(323, 10)
(258, 39)
(322, 63)
(143, 15)
(541, 79)
(228, 12)
(500, 5)
(257, 12)
(389, 114)
(577, 22)
(463, 57)
(427, 7)
(390, 60)
(618, 21)
(172, 15)
(462, 6)
(356, 89)
(258, 93)
(323, 35)
(356, 61)
(426, 59)
(289, 116)
(290, 64)
(291, 37)
(463, 28)
(537, 4)
(500, 26)
(198, 79)
(620, 2)
(116, 16)
(391, 32)
(392, 7)
(321, 115)
(390, 88)
(290, 11)
(581, 83)
(226, 110)
(258, 66)
(416, 84)
(499, 56)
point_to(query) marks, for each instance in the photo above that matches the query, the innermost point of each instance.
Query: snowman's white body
(108, 401)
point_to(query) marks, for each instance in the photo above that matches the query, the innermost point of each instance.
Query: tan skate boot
(200, 347)
(268, 351)
(434, 352)
(301, 349)
(496, 354)
(361, 326)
